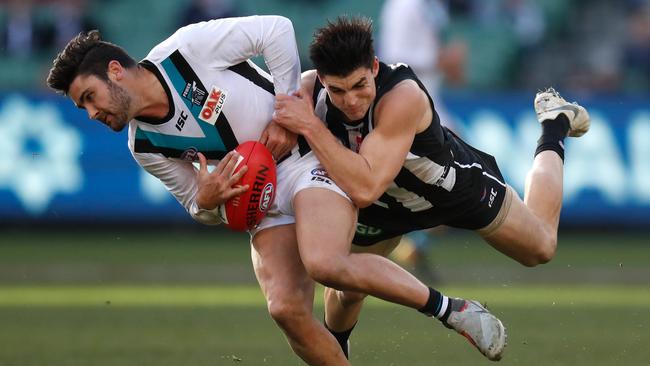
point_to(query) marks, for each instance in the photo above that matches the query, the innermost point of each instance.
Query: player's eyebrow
(360, 82)
(80, 105)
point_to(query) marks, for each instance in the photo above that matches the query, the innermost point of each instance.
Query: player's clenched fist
(278, 140)
(294, 112)
(218, 186)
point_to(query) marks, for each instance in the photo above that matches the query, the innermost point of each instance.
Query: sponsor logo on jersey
(193, 93)
(493, 195)
(320, 172)
(213, 105)
(367, 230)
(267, 195)
(440, 181)
(320, 179)
(180, 123)
(320, 175)
(190, 154)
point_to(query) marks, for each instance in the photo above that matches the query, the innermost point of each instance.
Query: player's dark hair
(343, 46)
(85, 54)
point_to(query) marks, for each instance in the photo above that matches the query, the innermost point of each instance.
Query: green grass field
(184, 298)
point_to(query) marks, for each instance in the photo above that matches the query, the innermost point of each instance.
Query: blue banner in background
(606, 172)
(58, 166)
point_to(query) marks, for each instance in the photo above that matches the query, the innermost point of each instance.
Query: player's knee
(286, 312)
(548, 250)
(330, 272)
(544, 253)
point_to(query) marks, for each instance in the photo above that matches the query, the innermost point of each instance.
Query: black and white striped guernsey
(443, 179)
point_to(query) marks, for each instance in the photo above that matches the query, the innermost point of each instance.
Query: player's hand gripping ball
(245, 211)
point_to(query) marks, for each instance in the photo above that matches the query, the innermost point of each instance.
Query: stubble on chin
(121, 104)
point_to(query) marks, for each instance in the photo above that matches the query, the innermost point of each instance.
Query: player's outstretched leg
(528, 232)
(484, 330)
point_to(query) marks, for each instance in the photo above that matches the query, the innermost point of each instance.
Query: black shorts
(473, 204)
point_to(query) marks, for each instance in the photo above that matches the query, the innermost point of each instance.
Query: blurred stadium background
(100, 266)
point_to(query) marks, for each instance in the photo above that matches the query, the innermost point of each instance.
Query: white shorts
(293, 175)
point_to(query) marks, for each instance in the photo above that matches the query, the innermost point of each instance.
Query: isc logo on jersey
(213, 105)
(320, 175)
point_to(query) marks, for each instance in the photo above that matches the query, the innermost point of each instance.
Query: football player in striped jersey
(376, 131)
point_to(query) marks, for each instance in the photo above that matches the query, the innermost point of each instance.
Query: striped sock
(436, 305)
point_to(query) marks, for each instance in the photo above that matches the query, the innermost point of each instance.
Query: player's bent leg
(559, 119)
(342, 308)
(543, 188)
(327, 258)
(289, 294)
(324, 239)
(529, 233)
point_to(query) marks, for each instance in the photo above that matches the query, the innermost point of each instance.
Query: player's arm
(197, 190)
(292, 110)
(297, 107)
(222, 43)
(307, 82)
(366, 175)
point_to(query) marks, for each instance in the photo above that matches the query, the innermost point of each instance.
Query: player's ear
(115, 70)
(321, 79)
(375, 67)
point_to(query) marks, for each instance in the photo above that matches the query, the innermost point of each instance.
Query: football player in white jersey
(197, 96)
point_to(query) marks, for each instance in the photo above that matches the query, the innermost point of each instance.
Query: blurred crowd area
(587, 46)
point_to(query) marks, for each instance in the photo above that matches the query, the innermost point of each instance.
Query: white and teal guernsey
(218, 98)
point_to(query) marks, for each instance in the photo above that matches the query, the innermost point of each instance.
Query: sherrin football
(245, 211)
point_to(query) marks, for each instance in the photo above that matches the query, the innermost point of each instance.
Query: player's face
(352, 94)
(104, 100)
